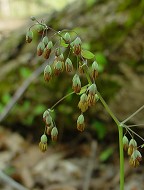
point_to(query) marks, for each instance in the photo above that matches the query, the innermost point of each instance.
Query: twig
(20, 91)
(11, 182)
(90, 167)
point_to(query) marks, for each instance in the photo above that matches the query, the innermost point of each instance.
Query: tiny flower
(61, 57)
(76, 84)
(48, 129)
(132, 146)
(91, 95)
(80, 123)
(40, 28)
(135, 158)
(68, 65)
(57, 52)
(94, 70)
(47, 50)
(43, 143)
(47, 73)
(58, 67)
(125, 143)
(48, 121)
(67, 37)
(45, 40)
(29, 36)
(83, 104)
(45, 115)
(77, 46)
(54, 134)
(40, 48)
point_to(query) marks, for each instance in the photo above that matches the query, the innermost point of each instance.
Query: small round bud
(77, 46)
(47, 73)
(125, 143)
(29, 36)
(76, 84)
(92, 89)
(45, 115)
(135, 158)
(58, 67)
(44, 138)
(67, 37)
(33, 18)
(50, 45)
(54, 134)
(83, 103)
(132, 146)
(80, 123)
(40, 48)
(94, 70)
(40, 28)
(49, 120)
(68, 65)
(58, 52)
(45, 40)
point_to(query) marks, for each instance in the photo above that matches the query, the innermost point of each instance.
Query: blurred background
(114, 32)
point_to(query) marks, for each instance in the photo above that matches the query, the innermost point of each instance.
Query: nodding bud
(132, 146)
(57, 52)
(45, 115)
(61, 57)
(83, 103)
(94, 70)
(40, 48)
(47, 73)
(47, 50)
(80, 123)
(67, 37)
(49, 121)
(92, 89)
(135, 158)
(50, 45)
(125, 143)
(58, 67)
(54, 134)
(45, 40)
(40, 28)
(68, 65)
(76, 84)
(33, 18)
(44, 138)
(43, 143)
(29, 36)
(77, 46)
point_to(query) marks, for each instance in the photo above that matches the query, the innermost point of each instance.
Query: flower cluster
(132, 151)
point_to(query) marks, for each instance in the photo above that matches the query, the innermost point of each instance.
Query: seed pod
(77, 46)
(94, 70)
(67, 37)
(45, 40)
(40, 28)
(125, 143)
(54, 134)
(58, 67)
(68, 65)
(76, 84)
(40, 48)
(47, 73)
(80, 123)
(29, 36)
(132, 146)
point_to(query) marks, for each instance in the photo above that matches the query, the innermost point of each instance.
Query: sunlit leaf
(62, 43)
(87, 54)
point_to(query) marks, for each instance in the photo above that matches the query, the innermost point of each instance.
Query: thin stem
(134, 133)
(61, 99)
(142, 107)
(120, 129)
(136, 125)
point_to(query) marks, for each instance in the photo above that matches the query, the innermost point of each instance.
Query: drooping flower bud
(83, 103)
(135, 158)
(40, 48)
(91, 95)
(45, 40)
(77, 46)
(80, 123)
(58, 67)
(57, 52)
(67, 37)
(76, 84)
(54, 134)
(68, 65)
(29, 36)
(47, 73)
(49, 121)
(125, 143)
(40, 28)
(47, 50)
(45, 115)
(94, 70)
(43, 143)
(132, 146)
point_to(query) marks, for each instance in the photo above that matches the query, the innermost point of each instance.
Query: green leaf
(62, 43)
(142, 146)
(87, 54)
(106, 154)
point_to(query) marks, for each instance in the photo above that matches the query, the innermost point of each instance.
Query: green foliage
(87, 54)
(100, 129)
(105, 155)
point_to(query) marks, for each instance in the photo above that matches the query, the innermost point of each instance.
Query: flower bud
(44, 138)
(67, 37)
(50, 45)
(57, 52)
(33, 18)
(40, 28)
(58, 67)
(45, 40)
(80, 123)
(132, 146)
(68, 65)
(135, 158)
(125, 143)
(47, 73)
(40, 48)
(94, 70)
(49, 120)
(54, 134)
(92, 89)
(76, 84)
(45, 115)
(83, 104)
(77, 46)
(29, 36)
(43, 143)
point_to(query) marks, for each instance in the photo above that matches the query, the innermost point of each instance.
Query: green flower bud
(50, 45)
(49, 120)
(29, 36)
(47, 73)
(40, 48)
(77, 41)
(125, 143)
(45, 114)
(33, 18)
(58, 52)
(68, 65)
(135, 158)
(132, 146)
(58, 67)
(77, 46)
(40, 28)
(92, 89)
(54, 134)
(94, 70)
(44, 138)
(67, 37)
(76, 84)
(80, 123)
(45, 40)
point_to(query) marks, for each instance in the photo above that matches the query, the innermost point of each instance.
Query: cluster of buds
(132, 151)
